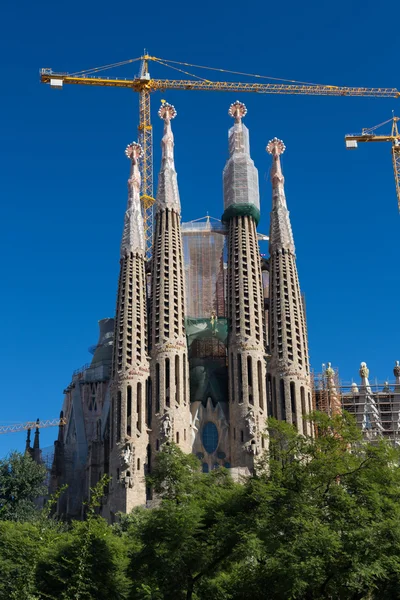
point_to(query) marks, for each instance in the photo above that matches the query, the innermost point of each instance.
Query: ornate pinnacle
(166, 112)
(134, 151)
(237, 111)
(329, 371)
(364, 371)
(396, 370)
(275, 147)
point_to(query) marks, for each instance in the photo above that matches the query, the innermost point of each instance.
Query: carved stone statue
(127, 481)
(396, 370)
(329, 371)
(252, 448)
(126, 454)
(364, 371)
(251, 422)
(166, 426)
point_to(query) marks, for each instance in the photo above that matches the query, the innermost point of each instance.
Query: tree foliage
(21, 483)
(319, 519)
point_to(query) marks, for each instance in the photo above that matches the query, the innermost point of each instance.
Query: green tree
(88, 562)
(19, 547)
(326, 517)
(21, 483)
(191, 535)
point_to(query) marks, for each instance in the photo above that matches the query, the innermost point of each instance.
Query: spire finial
(167, 112)
(329, 372)
(237, 111)
(275, 147)
(133, 151)
(364, 371)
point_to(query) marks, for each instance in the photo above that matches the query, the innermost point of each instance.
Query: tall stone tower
(288, 377)
(169, 359)
(130, 364)
(245, 302)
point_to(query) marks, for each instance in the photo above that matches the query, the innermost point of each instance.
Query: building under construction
(208, 340)
(375, 406)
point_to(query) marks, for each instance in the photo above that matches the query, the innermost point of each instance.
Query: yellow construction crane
(143, 84)
(370, 135)
(14, 428)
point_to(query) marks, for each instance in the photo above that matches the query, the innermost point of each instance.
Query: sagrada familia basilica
(208, 339)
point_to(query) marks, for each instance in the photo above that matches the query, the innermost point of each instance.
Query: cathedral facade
(204, 346)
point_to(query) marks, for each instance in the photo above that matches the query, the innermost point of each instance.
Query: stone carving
(251, 423)
(252, 448)
(127, 481)
(396, 370)
(364, 371)
(166, 427)
(329, 371)
(126, 454)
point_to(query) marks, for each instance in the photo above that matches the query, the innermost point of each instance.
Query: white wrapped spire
(167, 191)
(240, 176)
(281, 235)
(133, 234)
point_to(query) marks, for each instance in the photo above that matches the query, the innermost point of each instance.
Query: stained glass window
(210, 437)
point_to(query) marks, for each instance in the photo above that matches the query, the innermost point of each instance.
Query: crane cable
(170, 63)
(104, 68)
(237, 72)
(180, 70)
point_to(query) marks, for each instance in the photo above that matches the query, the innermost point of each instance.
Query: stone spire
(367, 413)
(130, 363)
(335, 407)
(133, 233)
(281, 235)
(169, 356)
(245, 301)
(28, 449)
(36, 444)
(167, 191)
(288, 368)
(36, 453)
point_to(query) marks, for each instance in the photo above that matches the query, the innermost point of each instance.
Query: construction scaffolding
(375, 406)
(204, 254)
(206, 323)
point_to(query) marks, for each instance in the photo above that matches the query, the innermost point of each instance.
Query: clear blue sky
(63, 172)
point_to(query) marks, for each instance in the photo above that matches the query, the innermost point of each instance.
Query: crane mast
(144, 85)
(145, 138)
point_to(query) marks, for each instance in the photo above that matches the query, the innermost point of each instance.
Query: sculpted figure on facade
(166, 426)
(251, 423)
(126, 454)
(252, 448)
